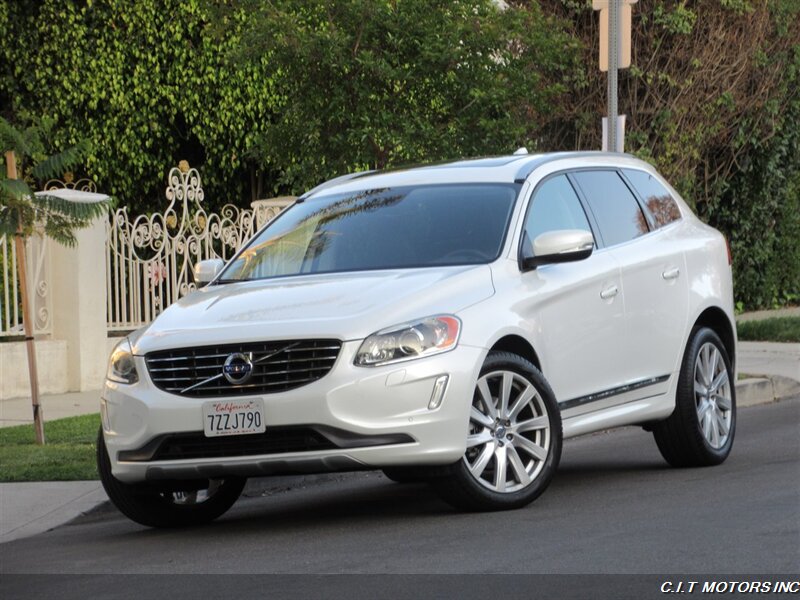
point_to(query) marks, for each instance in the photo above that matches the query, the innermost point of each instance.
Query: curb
(763, 390)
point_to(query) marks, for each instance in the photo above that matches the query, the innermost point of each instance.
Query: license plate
(229, 417)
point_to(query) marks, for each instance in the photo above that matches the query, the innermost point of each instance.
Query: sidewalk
(30, 508)
(773, 369)
(18, 411)
(770, 358)
(760, 315)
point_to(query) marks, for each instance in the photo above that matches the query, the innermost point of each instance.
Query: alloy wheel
(712, 391)
(509, 432)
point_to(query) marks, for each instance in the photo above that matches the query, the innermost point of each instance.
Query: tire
(700, 431)
(173, 504)
(505, 466)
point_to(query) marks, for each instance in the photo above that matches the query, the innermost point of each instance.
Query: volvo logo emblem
(238, 368)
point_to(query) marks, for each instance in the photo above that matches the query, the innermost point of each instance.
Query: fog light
(439, 387)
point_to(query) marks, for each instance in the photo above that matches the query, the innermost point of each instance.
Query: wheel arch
(516, 344)
(717, 320)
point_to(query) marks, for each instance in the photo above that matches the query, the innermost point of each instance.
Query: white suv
(451, 323)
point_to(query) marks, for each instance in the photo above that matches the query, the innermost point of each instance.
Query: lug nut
(509, 437)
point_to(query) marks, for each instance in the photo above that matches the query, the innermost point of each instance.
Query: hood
(345, 306)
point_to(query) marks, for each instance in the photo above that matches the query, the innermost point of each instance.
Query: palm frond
(57, 164)
(12, 139)
(73, 210)
(8, 221)
(14, 191)
(61, 228)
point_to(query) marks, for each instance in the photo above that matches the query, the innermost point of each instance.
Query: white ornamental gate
(38, 287)
(150, 258)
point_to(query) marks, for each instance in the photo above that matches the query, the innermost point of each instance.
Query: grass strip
(774, 329)
(68, 454)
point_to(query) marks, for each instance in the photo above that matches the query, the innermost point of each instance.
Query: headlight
(416, 339)
(121, 367)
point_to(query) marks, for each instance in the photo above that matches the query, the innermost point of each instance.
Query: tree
(712, 100)
(363, 84)
(22, 211)
(146, 84)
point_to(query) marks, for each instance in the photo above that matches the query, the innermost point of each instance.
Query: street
(614, 507)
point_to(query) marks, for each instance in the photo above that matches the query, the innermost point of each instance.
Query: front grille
(274, 441)
(277, 367)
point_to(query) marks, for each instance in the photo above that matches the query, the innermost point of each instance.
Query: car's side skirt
(641, 403)
(602, 395)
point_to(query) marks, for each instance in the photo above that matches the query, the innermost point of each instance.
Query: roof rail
(536, 162)
(333, 182)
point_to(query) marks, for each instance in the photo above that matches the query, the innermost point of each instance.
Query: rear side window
(656, 197)
(614, 207)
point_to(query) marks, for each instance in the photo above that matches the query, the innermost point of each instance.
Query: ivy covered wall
(145, 83)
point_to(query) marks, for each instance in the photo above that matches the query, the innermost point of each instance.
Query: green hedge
(145, 83)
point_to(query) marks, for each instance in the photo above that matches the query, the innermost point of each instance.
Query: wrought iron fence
(37, 248)
(38, 287)
(150, 257)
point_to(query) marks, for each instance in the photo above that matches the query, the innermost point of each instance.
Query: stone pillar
(79, 302)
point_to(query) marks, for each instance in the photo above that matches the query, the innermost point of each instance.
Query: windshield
(389, 228)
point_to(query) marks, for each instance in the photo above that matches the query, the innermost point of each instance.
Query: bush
(145, 84)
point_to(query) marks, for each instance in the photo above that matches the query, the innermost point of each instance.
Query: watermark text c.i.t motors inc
(722, 586)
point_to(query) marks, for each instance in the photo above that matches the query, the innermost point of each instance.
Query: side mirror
(564, 245)
(206, 270)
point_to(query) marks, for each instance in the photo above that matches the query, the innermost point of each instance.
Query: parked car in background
(452, 323)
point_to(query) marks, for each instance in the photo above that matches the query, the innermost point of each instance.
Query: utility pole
(613, 72)
(615, 54)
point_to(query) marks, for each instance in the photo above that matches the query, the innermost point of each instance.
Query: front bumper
(381, 404)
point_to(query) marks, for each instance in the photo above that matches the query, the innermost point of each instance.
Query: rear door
(653, 279)
(654, 275)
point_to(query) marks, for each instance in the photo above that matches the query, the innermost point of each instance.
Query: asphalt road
(614, 507)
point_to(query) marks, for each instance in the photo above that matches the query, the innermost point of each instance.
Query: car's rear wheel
(171, 504)
(513, 441)
(700, 431)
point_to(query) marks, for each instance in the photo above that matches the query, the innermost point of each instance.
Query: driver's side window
(554, 206)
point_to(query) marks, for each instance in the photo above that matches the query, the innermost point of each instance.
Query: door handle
(609, 292)
(671, 273)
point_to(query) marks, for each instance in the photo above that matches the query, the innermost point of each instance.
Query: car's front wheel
(175, 504)
(700, 431)
(513, 440)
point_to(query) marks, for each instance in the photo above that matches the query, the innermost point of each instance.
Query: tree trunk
(19, 242)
